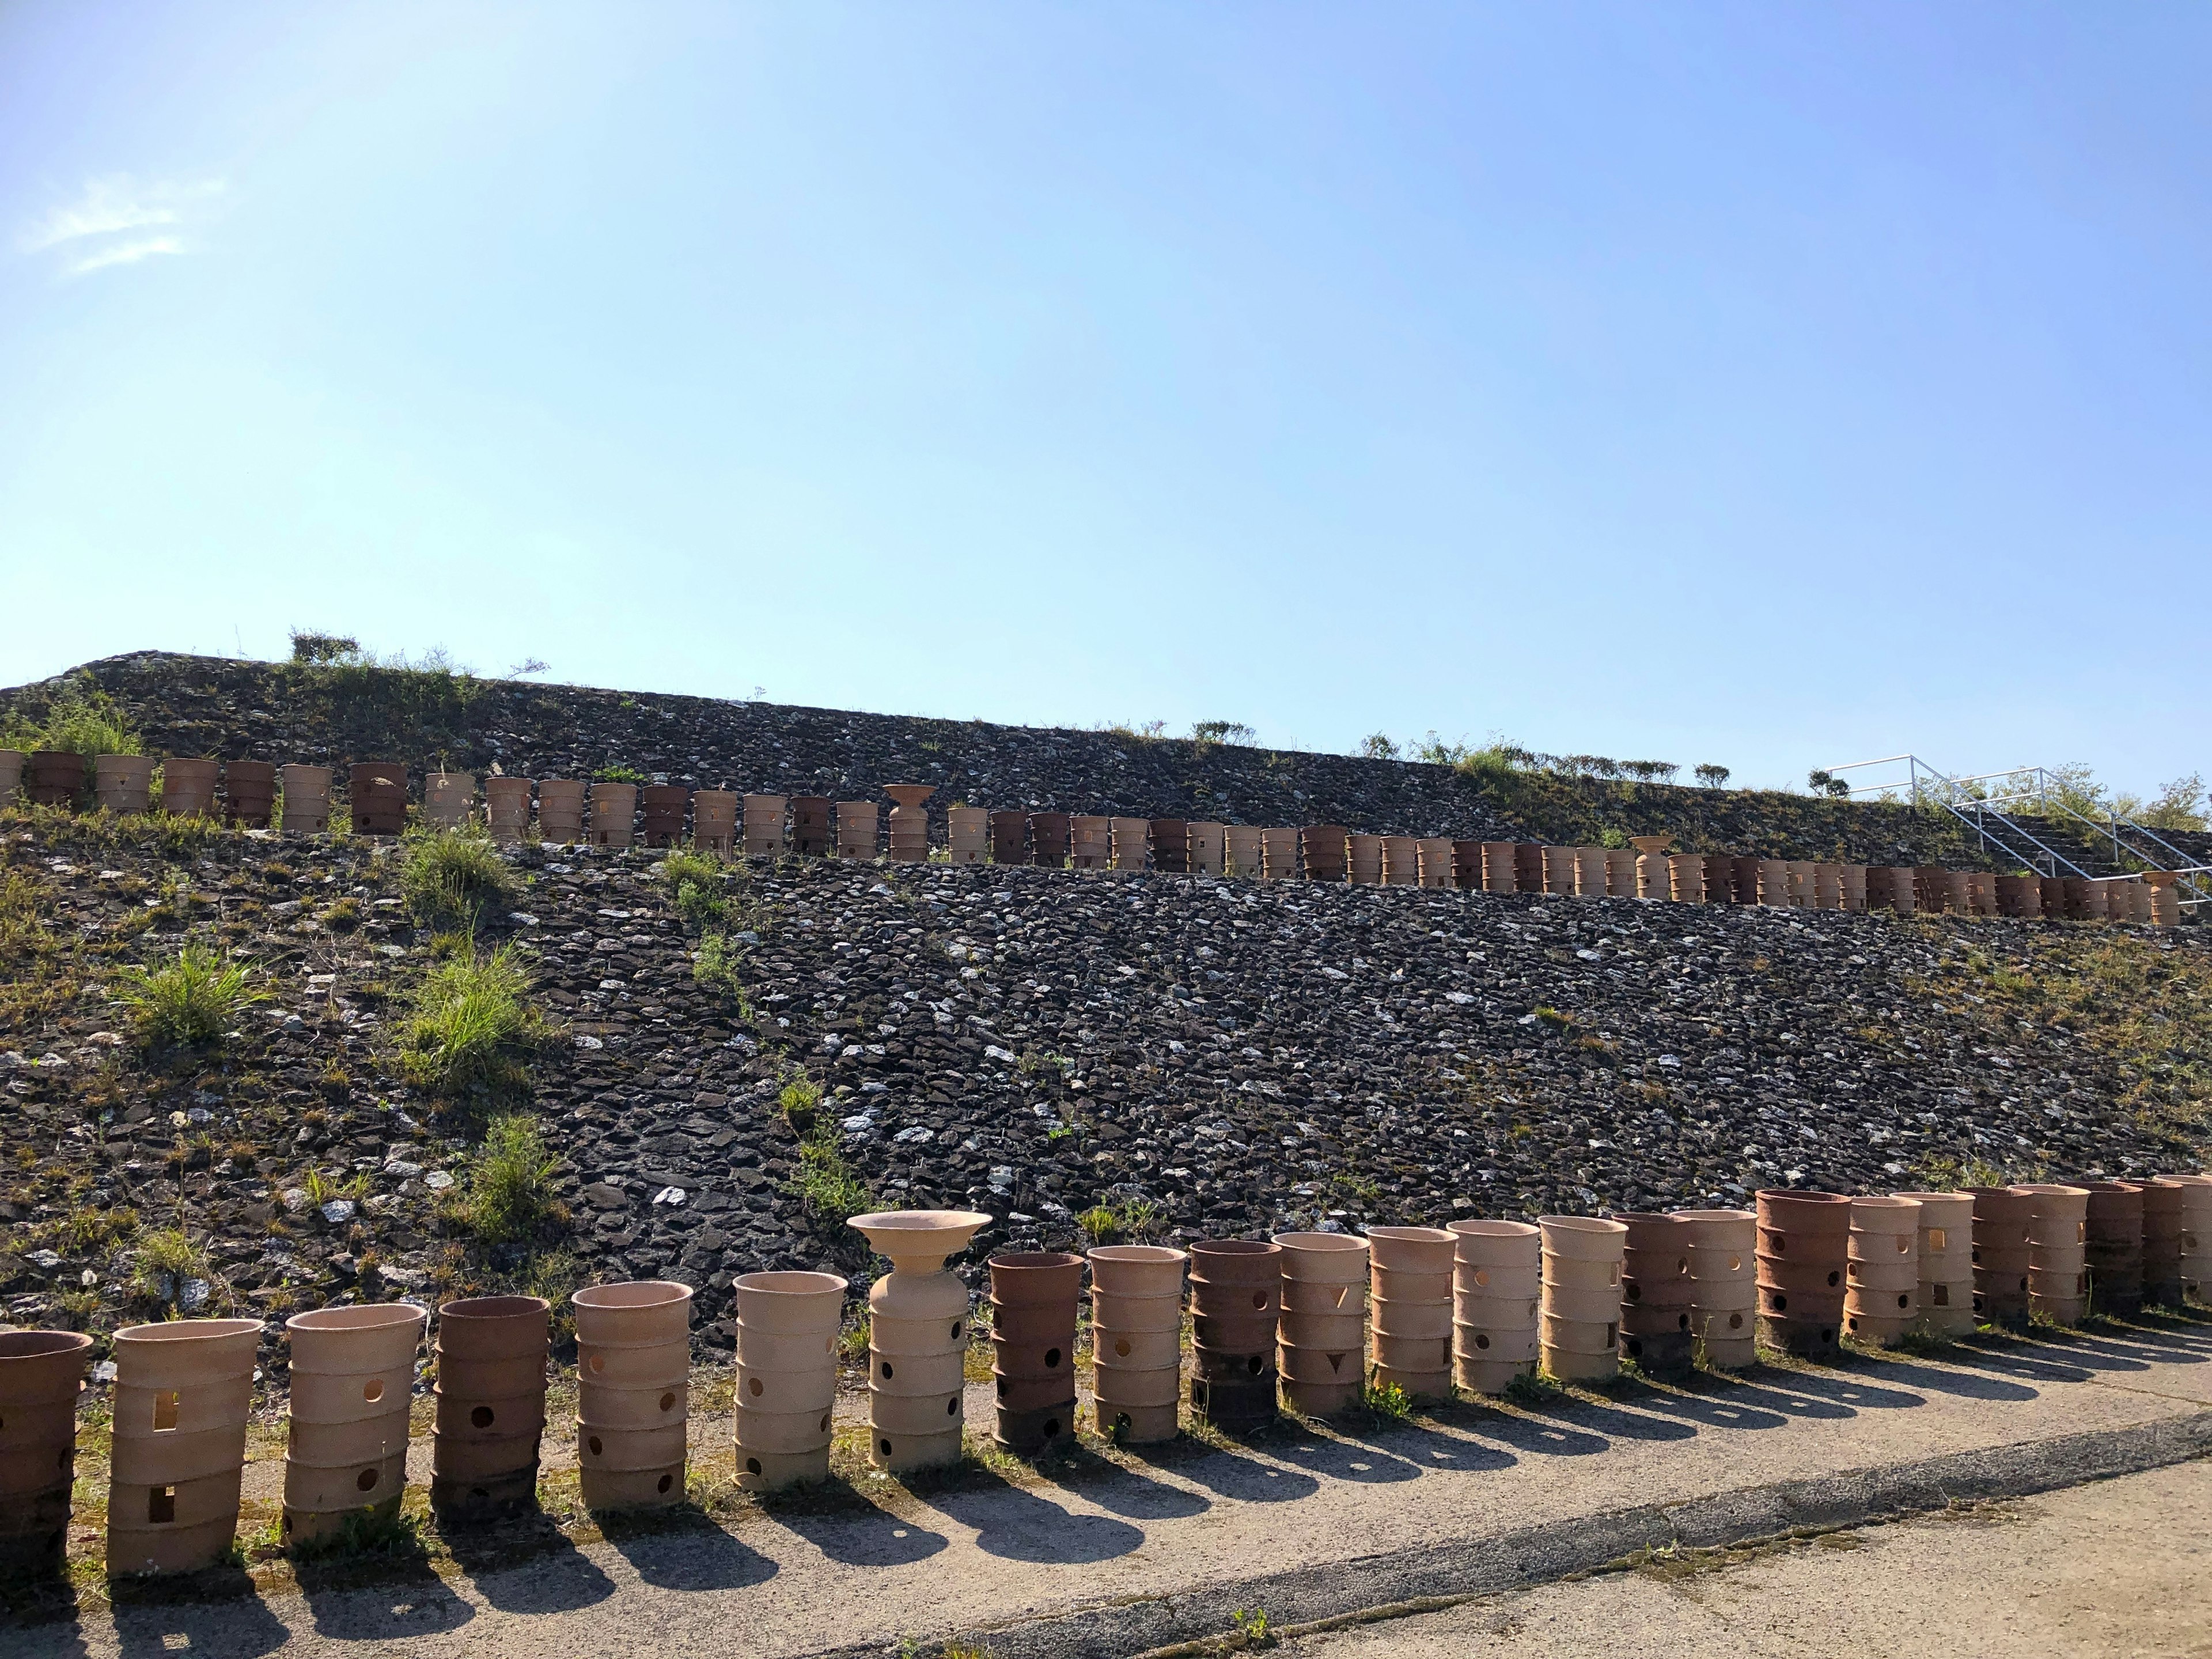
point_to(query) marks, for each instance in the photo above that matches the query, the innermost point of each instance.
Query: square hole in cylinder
(160, 1505)
(165, 1410)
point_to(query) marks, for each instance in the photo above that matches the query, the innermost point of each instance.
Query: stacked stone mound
(1497, 1268)
(633, 1395)
(1136, 1340)
(786, 1382)
(1723, 1285)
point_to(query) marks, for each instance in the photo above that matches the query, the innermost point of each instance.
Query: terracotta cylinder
(1879, 892)
(1946, 1255)
(1931, 890)
(662, 808)
(1366, 856)
(1720, 878)
(967, 833)
(614, 814)
(2057, 1251)
(1323, 845)
(1559, 869)
(1656, 1298)
(1803, 1246)
(1774, 882)
(1091, 844)
(2020, 895)
(2114, 1238)
(1528, 866)
(306, 799)
(787, 1385)
(1235, 1300)
(560, 810)
(490, 1405)
(2164, 899)
(1881, 1277)
(856, 830)
(760, 824)
(1010, 838)
(1033, 1302)
(2195, 1250)
(1579, 1320)
(353, 1376)
(2084, 900)
(55, 778)
(41, 1374)
(1499, 871)
(1170, 840)
(1590, 873)
(1209, 848)
(1803, 884)
(1400, 862)
(1243, 851)
(2002, 1254)
(1466, 865)
(714, 821)
(1321, 1341)
(2162, 1240)
(1132, 839)
(1722, 1247)
(1432, 861)
(909, 828)
(1052, 834)
(917, 1336)
(810, 826)
(448, 798)
(1827, 886)
(1410, 1308)
(507, 808)
(1981, 892)
(1619, 872)
(1279, 854)
(1496, 1268)
(1850, 880)
(1136, 1339)
(2050, 896)
(1686, 875)
(376, 793)
(123, 783)
(182, 1393)
(11, 776)
(633, 1369)
(188, 785)
(249, 793)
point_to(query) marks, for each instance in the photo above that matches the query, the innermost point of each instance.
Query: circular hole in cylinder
(757, 1386)
(667, 1400)
(1482, 1339)
(593, 1442)
(951, 1408)
(373, 1390)
(598, 1363)
(887, 1370)
(666, 1481)
(481, 1418)
(1122, 1346)
(1051, 1359)
(752, 1466)
(366, 1481)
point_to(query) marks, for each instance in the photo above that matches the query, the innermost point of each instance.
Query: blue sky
(1767, 385)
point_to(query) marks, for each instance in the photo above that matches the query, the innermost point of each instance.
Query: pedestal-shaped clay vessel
(448, 798)
(764, 835)
(1686, 875)
(188, 787)
(376, 794)
(182, 1393)
(353, 1380)
(306, 799)
(614, 814)
(1033, 1300)
(1279, 854)
(55, 777)
(1946, 1262)
(1409, 1308)
(1366, 856)
(662, 808)
(1235, 1302)
(633, 1376)
(41, 1374)
(1723, 1248)
(2195, 1250)
(1401, 861)
(787, 1387)
(1209, 848)
(910, 838)
(1881, 1277)
(1432, 856)
(1320, 1343)
(917, 1336)
(1803, 1248)
(1132, 841)
(2002, 1216)
(1500, 870)
(2162, 1245)
(11, 776)
(1171, 839)
(1010, 838)
(2057, 1251)
(1052, 834)
(123, 783)
(1244, 851)
(560, 810)
(1654, 880)
(1323, 846)
(1496, 1281)
(1578, 1327)
(489, 1406)
(2113, 1240)
(810, 826)
(856, 830)
(967, 833)
(1091, 842)
(507, 809)
(715, 820)
(1136, 1340)
(1657, 1299)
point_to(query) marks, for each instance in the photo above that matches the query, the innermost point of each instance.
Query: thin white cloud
(95, 230)
(127, 253)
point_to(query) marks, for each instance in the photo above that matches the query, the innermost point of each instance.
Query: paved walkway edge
(1423, 1577)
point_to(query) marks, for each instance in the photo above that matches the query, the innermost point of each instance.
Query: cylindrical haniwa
(1401, 861)
(1051, 836)
(1133, 840)
(1500, 868)
(2162, 899)
(1466, 865)
(1320, 1345)
(614, 814)
(1091, 841)
(41, 1374)
(2057, 1251)
(1010, 838)
(1723, 1248)
(2113, 1241)
(917, 1336)
(2194, 1251)
(967, 833)
(376, 795)
(909, 826)
(306, 799)
(489, 1406)
(123, 783)
(1854, 880)
(54, 777)
(856, 830)
(1827, 886)
(2162, 1245)
(1235, 1300)
(1323, 848)
(1686, 873)
(188, 787)
(1279, 854)
(1657, 1298)
(1529, 866)
(560, 810)
(1590, 873)
(1881, 1285)
(507, 808)
(1946, 1262)
(787, 1387)
(1136, 1340)
(1209, 847)
(11, 776)
(715, 820)
(1172, 846)
(1496, 1269)
(1620, 872)
(1244, 854)
(1804, 1249)
(661, 810)
(1366, 860)
(182, 1393)
(810, 826)
(1409, 1308)
(353, 1380)
(1578, 1335)
(1774, 882)
(1558, 869)
(1433, 860)
(447, 798)
(1654, 880)
(633, 1371)
(764, 828)
(1033, 1302)
(2002, 1223)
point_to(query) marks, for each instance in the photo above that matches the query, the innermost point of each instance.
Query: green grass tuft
(472, 1027)
(510, 1185)
(191, 1001)
(452, 878)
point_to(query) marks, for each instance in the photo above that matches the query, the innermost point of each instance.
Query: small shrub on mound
(472, 1027)
(510, 1190)
(452, 876)
(193, 999)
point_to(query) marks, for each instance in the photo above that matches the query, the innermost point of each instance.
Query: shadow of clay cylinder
(352, 1389)
(787, 1387)
(182, 1394)
(912, 1370)
(41, 1375)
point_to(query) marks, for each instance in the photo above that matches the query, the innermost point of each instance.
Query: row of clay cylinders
(41, 1374)
(123, 783)
(1881, 1288)
(1804, 1242)
(1722, 1248)
(2195, 1251)
(2003, 1222)
(917, 1336)
(1410, 1308)
(1136, 1339)
(353, 1379)
(1496, 1274)
(1321, 1346)
(1235, 1302)
(2112, 1245)
(1946, 1261)
(2057, 1251)
(1033, 1300)
(490, 1403)
(1657, 1297)
(1579, 1332)
(787, 1325)
(967, 833)
(182, 1393)
(633, 1371)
